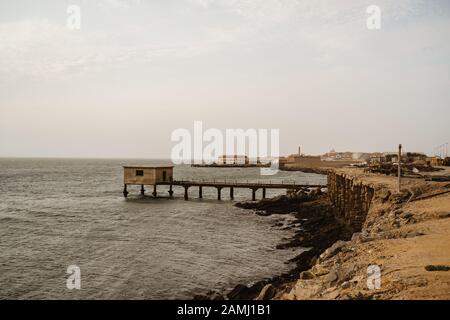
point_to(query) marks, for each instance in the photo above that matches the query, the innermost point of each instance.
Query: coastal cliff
(404, 235)
(365, 240)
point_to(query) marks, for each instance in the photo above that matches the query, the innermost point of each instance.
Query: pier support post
(186, 197)
(219, 191)
(142, 190)
(264, 193)
(125, 192)
(170, 191)
(200, 192)
(231, 193)
(154, 190)
(254, 194)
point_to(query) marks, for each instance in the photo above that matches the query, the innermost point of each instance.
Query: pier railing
(236, 181)
(278, 184)
(219, 184)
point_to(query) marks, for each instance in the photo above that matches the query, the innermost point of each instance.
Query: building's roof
(148, 167)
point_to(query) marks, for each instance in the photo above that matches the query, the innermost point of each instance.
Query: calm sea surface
(60, 212)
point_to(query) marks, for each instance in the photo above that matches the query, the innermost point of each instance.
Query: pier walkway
(231, 185)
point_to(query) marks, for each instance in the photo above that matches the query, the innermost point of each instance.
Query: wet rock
(278, 225)
(262, 213)
(238, 292)
(267, 293)
(313, 261)
(242, 292)
(217, 296)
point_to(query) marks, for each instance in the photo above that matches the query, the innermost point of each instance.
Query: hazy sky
(137, 70)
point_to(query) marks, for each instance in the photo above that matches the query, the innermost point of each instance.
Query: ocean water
(60, 212)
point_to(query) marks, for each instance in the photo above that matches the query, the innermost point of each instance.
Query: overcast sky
(137, 70)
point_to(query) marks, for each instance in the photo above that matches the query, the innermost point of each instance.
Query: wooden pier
(163, 176)
(254, 186)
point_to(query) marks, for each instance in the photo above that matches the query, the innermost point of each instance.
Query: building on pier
(146, 175)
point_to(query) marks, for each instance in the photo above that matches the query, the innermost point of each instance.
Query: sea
(61, 215)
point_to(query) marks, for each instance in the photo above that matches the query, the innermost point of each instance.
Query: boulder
(238, 290)
(307, 275)
(242, 292)
(267, 293)
(319, 270)
(305, 289)
(333, 250)
(331, 277)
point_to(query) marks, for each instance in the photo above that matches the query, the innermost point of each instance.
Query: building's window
(140, 173)
(164, 176)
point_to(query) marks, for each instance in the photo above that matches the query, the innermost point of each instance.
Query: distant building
(415, 156)
(147, 175)
(436, 161)
(234, 159)
(332, 155)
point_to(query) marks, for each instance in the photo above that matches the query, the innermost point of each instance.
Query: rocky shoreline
(363, 222)
(315, 229)
(400, 246)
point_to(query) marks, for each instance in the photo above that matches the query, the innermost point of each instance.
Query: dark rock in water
(200, 297)
(211, 295)
(278, 225)
(217, 296)
(242, 292)
(238, 291)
